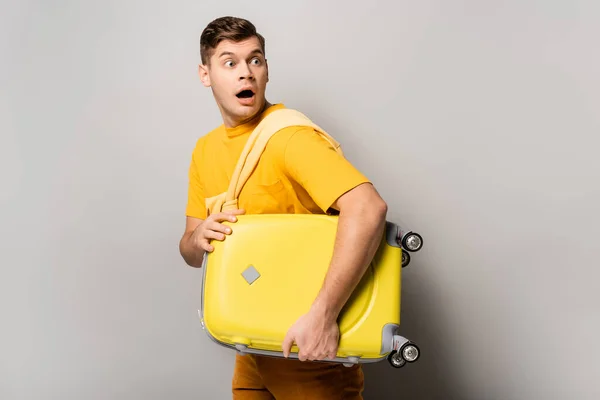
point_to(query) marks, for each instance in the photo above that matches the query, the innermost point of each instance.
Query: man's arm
(360, 228)
(188, 250)
(361, 222)
(332, 182)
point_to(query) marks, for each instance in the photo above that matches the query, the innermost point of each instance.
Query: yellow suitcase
(261, 279)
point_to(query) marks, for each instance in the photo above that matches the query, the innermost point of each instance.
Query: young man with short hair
(299, 172)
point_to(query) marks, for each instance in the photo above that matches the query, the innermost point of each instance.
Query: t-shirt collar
(250, 125)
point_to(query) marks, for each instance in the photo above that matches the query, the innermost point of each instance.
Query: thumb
(287, 343)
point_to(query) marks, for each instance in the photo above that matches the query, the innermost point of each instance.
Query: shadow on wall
(433, 375)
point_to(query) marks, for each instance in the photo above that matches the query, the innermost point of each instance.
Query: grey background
(478, 122)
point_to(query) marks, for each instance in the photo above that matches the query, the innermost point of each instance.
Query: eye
(229, 63)
(255, 61)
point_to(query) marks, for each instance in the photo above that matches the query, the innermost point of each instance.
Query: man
(299, 172)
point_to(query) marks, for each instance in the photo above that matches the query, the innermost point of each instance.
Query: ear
(203, 74)
(267, 66)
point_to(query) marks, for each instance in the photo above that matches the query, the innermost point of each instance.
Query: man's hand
(212, 228)
(316, 334)
(198, 234)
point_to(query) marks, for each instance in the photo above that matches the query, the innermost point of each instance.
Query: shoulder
(293, 141)
(205, 141)
(285, 135)
(299, 138)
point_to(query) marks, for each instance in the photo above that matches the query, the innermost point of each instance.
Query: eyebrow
(229, 53)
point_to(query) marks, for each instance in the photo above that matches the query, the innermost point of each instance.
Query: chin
(250, 109)
(245, 111)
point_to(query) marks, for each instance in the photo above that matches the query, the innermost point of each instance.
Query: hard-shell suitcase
(262, 277)
(266, 274)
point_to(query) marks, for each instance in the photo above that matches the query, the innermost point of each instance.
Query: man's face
(238, 76)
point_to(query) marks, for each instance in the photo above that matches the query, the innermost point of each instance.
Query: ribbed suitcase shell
(266, 274)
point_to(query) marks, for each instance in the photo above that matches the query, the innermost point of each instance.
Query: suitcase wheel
(412, 241)
(408, 353)
(405, 259)
(396, 359)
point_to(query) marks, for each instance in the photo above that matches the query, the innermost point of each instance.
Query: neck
(232, 123)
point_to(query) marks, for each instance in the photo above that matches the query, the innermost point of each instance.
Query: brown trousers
(271, 378)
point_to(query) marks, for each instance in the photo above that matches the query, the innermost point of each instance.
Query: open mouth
(245, 94)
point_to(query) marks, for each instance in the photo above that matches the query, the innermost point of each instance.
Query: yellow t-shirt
(299, 172)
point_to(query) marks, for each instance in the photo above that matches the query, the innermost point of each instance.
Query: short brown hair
(226, 28)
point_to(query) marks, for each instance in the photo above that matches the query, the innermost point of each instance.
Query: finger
(287, 343)
(214, 235)
(310, 354)
(205, 245)
(302, 356)
(314, 355)
(238, 211)
(217, 227)
(227, 215)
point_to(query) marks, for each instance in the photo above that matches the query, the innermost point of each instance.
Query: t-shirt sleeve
(311, 160)
(196, 207)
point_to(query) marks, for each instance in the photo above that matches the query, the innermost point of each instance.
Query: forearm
(190, 253)
(360, 229)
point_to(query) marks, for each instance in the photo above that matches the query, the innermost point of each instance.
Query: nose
(245, 72)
